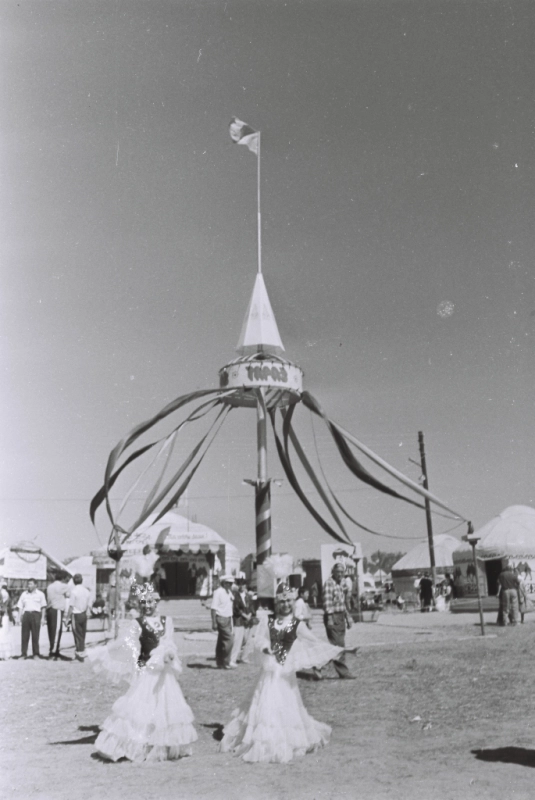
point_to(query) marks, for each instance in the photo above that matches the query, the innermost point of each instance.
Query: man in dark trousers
(336, 617)
(426, 593)
(31, 605)
(221, 611)
(57, 593)
(508, 582)
(79, 605)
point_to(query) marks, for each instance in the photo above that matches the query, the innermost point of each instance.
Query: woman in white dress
(152, 721)
(273, 723)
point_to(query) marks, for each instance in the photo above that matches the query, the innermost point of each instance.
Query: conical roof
(259, 330)
(510, 534)
(418, 557)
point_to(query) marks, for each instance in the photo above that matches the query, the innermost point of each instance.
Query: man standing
(32, 604)
(336, 616)
(508, 582)
(79, 603)
(427, 596)
(222, 608)
(56, 594)
(242, 615)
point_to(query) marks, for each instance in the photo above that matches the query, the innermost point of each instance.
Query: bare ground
(474, 739)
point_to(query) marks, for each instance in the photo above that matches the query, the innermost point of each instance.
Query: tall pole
(259, 215)
(263, 484)
(427, 510)
(118, 554)
(473, 542)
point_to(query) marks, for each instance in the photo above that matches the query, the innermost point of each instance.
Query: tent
(26, 561)
(509, 535)
(188, 553)
(416, 561)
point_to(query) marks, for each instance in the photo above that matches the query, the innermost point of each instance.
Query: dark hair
(302, 590)
(77, 579)
(146, 549)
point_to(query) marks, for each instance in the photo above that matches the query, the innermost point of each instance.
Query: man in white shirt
(222, 607)
(32, 604)
(79, 604)
(56, 594)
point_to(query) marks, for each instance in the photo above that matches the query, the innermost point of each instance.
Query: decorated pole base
(282, 380)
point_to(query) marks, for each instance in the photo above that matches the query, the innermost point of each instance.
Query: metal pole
(263, 484)
(357, 589)
(117, 587)
(259, 215)
(428, 510)
(479, 603)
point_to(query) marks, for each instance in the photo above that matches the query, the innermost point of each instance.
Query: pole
(473, 542)
(263, 484)
(117, 587)
(259, 215)
(428, 510)
(357, 589)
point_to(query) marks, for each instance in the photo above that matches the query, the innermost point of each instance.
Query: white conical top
(259, 330)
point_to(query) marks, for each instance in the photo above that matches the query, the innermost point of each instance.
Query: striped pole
(263, 484)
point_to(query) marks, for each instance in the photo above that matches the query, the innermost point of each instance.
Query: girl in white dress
(152, 721)
(273, 723)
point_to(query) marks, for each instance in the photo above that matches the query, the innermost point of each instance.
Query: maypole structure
(261, 375)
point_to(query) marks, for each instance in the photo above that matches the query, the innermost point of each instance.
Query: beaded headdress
(145, 594)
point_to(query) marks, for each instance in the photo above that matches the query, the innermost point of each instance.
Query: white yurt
(508, 536)
(413, 564)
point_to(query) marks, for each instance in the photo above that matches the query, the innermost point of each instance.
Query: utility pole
(427, 509)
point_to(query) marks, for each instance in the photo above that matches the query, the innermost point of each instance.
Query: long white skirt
(274, 725)
(6, 638)
(151, 722)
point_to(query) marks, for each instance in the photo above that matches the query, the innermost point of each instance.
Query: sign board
(23, 565)
(345, 554)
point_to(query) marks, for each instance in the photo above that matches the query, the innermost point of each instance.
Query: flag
(241, 133)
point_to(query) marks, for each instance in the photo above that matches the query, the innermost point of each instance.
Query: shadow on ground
(507, 755)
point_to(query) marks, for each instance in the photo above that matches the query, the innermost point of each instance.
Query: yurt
(190, 554)
(408, 569)
(508, 536)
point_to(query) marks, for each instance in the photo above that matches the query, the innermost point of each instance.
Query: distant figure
(222, 611)
(426, 593)
(242, 620)
(78, 607)
(162, 581)
(301, 610)
(314, 594)
(508, 583)
(6, 644)
(522, 599)
(32, 605)
(57, 593)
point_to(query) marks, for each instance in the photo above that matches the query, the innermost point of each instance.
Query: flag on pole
(241, 133)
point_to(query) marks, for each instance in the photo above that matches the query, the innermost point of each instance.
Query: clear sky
(397, 175)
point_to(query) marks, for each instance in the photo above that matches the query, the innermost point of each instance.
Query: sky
(398, 247)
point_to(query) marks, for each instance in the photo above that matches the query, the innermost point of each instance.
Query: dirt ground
(435, 713)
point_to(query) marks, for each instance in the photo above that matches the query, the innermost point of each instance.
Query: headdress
(279, 567)
(144, 594)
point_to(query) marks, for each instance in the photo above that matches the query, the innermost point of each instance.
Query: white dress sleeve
(117, 659)
(256, 643)
(308, 651)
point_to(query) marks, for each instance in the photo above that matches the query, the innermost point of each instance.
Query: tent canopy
(171, 533)
(509, 535)
(418, 557)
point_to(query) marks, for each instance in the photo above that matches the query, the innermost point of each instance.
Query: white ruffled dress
(6, 638)
(273, 724)
(152, 721)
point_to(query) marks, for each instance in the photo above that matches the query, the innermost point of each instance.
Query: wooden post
(473, 542)
(427, 510)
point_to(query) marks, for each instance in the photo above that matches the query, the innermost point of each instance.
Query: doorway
(493, 569)
(176, 573)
